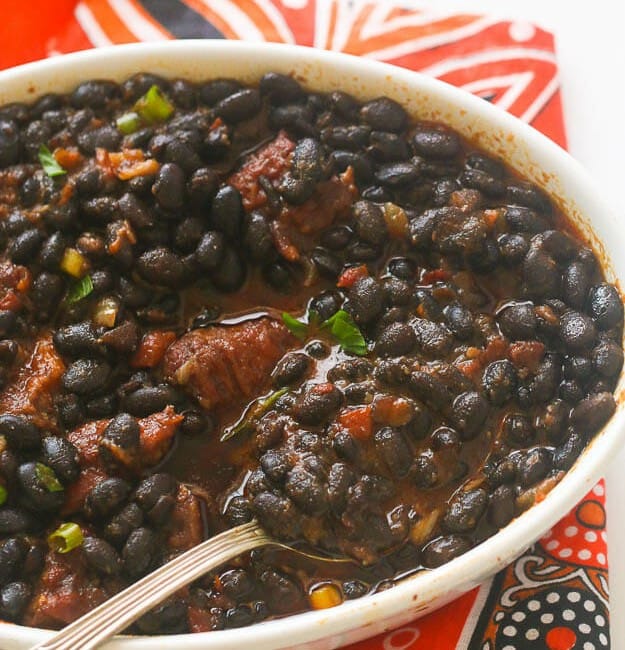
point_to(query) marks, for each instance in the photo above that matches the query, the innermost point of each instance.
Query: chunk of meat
(32, 391)
(185, 522)
(63, 592)
(155, 434)
(271, 161)
(227, 364)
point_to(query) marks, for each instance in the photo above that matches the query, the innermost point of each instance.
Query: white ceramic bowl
(490, 128)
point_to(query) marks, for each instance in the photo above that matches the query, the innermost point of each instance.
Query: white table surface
(590, 44)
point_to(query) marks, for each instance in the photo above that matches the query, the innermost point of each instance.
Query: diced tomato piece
(430, 277)
(351, 274)
(156, 433)
(69, 158)
(358, 422)
(152, 349)
(527, 354)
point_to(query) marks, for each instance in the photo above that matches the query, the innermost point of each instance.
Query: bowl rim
(416, 593)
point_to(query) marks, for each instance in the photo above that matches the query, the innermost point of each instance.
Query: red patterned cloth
(555, 596)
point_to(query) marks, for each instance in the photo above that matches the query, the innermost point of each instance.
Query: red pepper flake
(124, 233)
(349, 276)
(358, 422)
(152, 349)
(126, 164)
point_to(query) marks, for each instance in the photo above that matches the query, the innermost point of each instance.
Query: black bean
(533, 466)
(402, 267)
(9, 143)
(518, 321)
(522, 219)
(94, 94)
(605, 305)
(429, 388)
(424, 471)
(592, 413)
(559, 245)
(183, 152)
(326, 304)
(317, 403)
(281, 592)
(161, 266)
(566, 454)
(363, 170)
(392, 448)
(14, 599)
(384, 114)
(169, 187)
(432, 338)
(575, 284)
(369, 220)
(351, 137)
(480, 180)
(459, 320)
(19, 432)
(76, 339)
(327, 264)
(577, 330)
(275, 465)
(120, 440)
(52, 251)
(14, 520)
(395, 340)
(231, 272)
(12, 554)
(543, 385)
(398, 293)
(280, 88)
(40, 487)
(62, 456)
(218, 89)
(513, 247)
(139, 552)
(291, 369)
(517, 429)
(239, 106)
(23, 249)
(445, 439)
(377, 193)
(344, 105)
(278, 513)
(153, 488)
(8, 320)
(522, 193)
(486, 164)
(444, 549)
(101, 556)
(106, 497)
(296, 117)
(227, 211)
(607, 358)
(104, 137)
(435, 142)
(150, 399)
(499, 381)
(100, 209)
(86, 376)
(238, 511)
(468, 413)
(541, 276)
(366, 298)
(501, 508)
(123, 523)
(358, 251)
(202, 186)
(387, 147)
(465, 510)
(337, 237)
(134, 210)
(570, 391)
(397, 174)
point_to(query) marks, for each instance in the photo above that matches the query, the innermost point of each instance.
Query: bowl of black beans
(373, 312)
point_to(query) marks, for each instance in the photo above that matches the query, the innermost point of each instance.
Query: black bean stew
(220, 302)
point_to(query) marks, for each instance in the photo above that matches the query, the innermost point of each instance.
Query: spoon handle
(128, 605)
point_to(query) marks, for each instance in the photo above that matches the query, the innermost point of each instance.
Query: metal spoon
(118, 612)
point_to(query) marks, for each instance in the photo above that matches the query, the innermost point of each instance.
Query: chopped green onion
(3, 495)
(296, 327)
(154, 107)
(80, 289)
(128, 123)
(346, 332)
(66, 537)
(252, 414)
(49, 163)
(48, 478)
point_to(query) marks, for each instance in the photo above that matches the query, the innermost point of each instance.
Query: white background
(590, 44)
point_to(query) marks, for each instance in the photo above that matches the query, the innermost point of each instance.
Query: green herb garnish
(154, 107)
(4, 495)
(252, 414)
(128, 123)
(296, 327)
(80, 289)
(48, 478)
(341, 326)
(346, 332)
(66, 537)
(49, 163)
